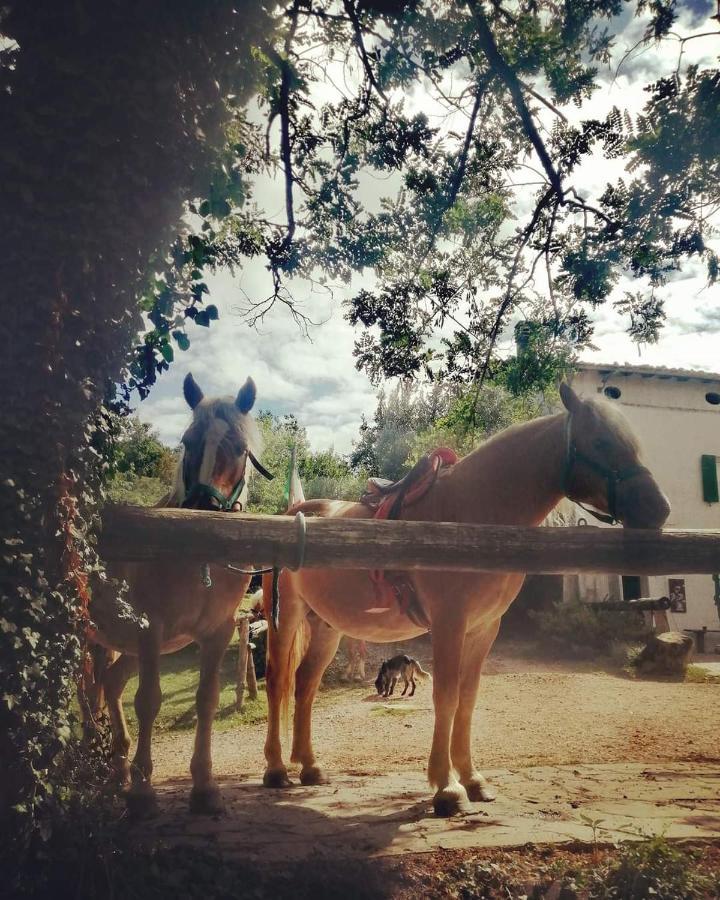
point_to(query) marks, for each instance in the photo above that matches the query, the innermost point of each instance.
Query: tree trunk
(110, 119)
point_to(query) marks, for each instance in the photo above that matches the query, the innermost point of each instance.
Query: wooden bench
(699, 636)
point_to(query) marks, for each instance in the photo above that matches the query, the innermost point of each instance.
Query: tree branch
(500, 67)
(362, 52)
(509, 293)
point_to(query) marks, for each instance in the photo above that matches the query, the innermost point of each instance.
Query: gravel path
(528, 714)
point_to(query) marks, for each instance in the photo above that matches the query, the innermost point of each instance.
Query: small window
(713, 398)
(614, 393)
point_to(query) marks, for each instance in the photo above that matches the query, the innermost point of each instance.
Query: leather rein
(613, 477)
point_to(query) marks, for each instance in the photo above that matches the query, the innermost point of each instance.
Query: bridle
(200, 491)
(613, 477)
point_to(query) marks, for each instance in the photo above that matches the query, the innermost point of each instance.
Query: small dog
(391, 670)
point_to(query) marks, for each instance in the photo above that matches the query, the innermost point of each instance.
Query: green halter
(202, 491)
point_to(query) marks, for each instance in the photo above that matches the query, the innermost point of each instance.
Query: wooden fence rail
(143, 535)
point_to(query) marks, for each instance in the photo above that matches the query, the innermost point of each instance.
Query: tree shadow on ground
(278, 845)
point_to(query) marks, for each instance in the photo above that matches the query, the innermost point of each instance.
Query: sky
(313, 376)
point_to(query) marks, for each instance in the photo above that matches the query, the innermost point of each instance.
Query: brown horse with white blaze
(587, 453)
(182, 602)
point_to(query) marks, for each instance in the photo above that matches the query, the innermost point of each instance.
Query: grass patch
(698, 675)
(179, 674)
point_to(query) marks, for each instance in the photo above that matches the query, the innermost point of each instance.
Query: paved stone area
(360, 815)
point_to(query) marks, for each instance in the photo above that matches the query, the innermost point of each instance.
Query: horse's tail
(419, 671)
(298, 648)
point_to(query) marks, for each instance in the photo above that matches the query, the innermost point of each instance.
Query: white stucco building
(676, 416)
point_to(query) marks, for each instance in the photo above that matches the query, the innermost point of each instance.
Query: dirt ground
(529, 713)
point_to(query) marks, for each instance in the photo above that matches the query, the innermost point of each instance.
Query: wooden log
(243, 627)
(145, 535)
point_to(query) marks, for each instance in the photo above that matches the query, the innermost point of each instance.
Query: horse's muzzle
(643, 504)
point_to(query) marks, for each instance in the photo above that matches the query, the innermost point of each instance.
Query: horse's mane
(613, 419)
(616, 422)
(207, 415)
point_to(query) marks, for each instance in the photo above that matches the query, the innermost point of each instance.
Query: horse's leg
(114, 680)
(323, 645)
(205, 795)
(141, 797)
(476, 648)
(406, 686)
(448, 637)
(412, 681)
(282, 656)
(91, 694)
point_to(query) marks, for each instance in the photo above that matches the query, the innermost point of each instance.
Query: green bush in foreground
(654, 869)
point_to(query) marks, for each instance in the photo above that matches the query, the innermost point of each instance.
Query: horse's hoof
(479, 791)
(142, 803)
(207, 801)
(276, 778)
(450, 802)
(312, 776)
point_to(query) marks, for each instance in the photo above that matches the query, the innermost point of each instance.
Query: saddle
(388, 500)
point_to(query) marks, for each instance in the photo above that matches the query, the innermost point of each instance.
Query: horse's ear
(245, 399)
(570, 399)
(191, 391)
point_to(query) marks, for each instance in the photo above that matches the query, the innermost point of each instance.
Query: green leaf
(212, 311)
(167, 352)
(202, 318)
(183, 341)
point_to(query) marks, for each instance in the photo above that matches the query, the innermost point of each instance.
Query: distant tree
(141, 467)
(327, 474)
(476, 414)
(414, 419)
(383, 447)
(141, 452)
(280, 434)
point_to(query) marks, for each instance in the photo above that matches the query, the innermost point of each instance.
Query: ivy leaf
(202, 318)
(167, 352)
(212, 311)
(183, 341)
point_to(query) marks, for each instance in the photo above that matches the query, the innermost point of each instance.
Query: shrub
(653, 868)
(574, 628)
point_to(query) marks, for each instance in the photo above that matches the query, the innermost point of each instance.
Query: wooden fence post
(244, 657)
(251, 675)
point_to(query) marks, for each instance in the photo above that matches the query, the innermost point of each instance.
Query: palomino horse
(182, 602)
(588, 454)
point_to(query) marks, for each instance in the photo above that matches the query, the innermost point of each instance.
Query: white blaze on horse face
(214, 434)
